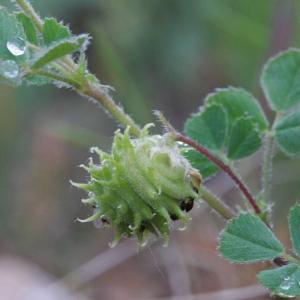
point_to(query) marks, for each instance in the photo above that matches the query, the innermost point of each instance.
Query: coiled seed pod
(141, 187)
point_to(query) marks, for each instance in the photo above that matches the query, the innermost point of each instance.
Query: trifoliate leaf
(59, 50)
(287, 133)
(208, 127)
(53, 31)
(247, 239)
(28, 27)
(283, 281)
(239, 103)
(244, 139)
(294, 222)
(281, 80)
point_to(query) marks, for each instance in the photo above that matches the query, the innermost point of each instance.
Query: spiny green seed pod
(141, 187)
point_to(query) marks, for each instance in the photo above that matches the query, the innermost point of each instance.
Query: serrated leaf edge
(290, 228)
(228, 223)
(254, 128)
(269, 289)
(282, 149)
(237, 89)
(201, 111)
(73, 39)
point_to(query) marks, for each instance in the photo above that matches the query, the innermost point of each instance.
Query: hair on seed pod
(142, 186)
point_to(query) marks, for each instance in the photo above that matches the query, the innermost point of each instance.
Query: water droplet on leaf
(182, 227)
(286, 284)
(143, 244)
(9, 69)
(16, 46)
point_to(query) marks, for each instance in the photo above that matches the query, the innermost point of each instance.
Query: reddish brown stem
(279, 261)
(243, 188)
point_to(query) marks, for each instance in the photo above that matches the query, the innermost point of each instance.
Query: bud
(141, 187)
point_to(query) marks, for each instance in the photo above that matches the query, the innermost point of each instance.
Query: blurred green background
(164, 55)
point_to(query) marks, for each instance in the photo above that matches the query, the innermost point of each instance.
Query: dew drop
(132, 227)
(9, 69)
(182, 227)
(286, 284)
(283, 295)
(16, 46)
(112, 244)
(166, 242)
(143, 244)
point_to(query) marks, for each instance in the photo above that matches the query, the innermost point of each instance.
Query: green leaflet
(244, 139)
(247, 239)
(239, 103)
(281, 80)
(208, 127)
(283, 281)
(294, 223)
(287, 133)
(200, 162)
(28, 28)
(231, 122)
(10, 29)
(53, 31)
(59, 50)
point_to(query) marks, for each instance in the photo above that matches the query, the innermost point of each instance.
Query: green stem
(226, 168)
(30, 12)
(90, 90)
(215, 203)
(95, 92)
(267, 167)
(268, 161)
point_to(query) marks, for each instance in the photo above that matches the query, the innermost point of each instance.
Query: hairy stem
(95, 92)
(30, 12)
(89, 90)
(268, 161)
(267, 166)
(215, 203)
(242, 187)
